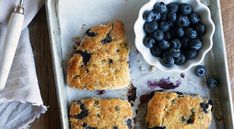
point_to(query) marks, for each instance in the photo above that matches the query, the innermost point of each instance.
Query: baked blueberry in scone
(94, 113)
(100, 62)
(170, 110)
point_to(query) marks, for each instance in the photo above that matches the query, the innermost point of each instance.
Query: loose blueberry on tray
(212, 83)
(200, 71)
(173, 33)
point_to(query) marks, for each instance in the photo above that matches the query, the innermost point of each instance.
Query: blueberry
(183, 21)
(129, 123)
(179, 31)
(90, 34)
(157, 15)
(85, 55)
(84, 124)
(163, 16)
(164, 26)
(156, 51)
(84, 113)
(190, 121)
(205, 107)
(175, 43)
(174, 52)
(168, 61)
(158, 35)
(201, 29)
(194, 18)
(167, 35)
(150, 27)
(173, 7)
(190, 54)
(190, 33)
(171, 24)
(200, 70)
(185, 9)
(180, 60)
(164, 44)
(107, 39)
(195, 44)
(148, 16)
(185, 42)
(160, 7)
(149, 41)
(171, 16)
(151, 15)
(212, 83)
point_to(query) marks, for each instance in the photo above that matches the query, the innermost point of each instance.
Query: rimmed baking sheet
(68, 19)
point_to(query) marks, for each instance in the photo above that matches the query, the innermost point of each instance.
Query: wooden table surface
(41, 48)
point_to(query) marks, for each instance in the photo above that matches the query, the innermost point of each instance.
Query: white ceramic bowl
(198, 7)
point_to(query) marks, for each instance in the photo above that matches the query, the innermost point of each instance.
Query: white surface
(73, 23)
(9, 46)
(20, 100)
(206, 39)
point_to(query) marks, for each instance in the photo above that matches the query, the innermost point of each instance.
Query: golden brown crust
(94, 113)
(106, 64)
(176, 111)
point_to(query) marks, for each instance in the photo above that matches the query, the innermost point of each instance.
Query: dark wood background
(41, 48)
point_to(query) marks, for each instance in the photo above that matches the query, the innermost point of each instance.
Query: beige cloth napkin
(20, 101)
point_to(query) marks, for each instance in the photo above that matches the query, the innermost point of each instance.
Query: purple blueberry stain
(164, 83)
(101, 92)
(146, 98)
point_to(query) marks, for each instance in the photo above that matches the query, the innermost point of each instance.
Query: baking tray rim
(54, 31)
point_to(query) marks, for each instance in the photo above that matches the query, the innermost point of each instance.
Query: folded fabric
(20, 100)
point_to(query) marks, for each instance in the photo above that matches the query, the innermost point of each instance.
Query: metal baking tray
(69, 18)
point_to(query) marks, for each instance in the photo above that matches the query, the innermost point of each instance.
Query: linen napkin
(20, 101)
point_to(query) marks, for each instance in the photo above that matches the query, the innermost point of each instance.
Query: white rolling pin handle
(8, 48)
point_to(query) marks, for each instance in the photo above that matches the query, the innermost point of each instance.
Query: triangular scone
(101, 60)
(96, 113)
(171, 110)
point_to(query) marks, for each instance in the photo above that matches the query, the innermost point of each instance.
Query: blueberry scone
(100, 62)
(170, 110)
(94, 113)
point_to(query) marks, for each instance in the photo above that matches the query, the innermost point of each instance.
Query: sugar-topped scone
(170, 110)
(101, 60)
(94, 113)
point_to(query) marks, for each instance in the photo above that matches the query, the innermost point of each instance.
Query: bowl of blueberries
(174, 35)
